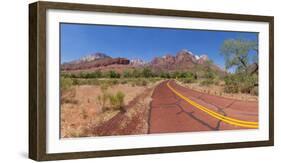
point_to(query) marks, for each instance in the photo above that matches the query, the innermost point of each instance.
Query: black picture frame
(37, 79)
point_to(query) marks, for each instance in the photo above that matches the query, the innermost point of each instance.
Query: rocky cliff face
(181, 61)
(137, 62)
(202, 59)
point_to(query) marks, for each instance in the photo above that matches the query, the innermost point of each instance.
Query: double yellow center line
(214, 114)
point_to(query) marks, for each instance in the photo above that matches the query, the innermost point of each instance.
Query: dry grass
(218, 90)
(132, 122)
(81, 111)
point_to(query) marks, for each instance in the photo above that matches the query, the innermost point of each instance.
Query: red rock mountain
(183, 60)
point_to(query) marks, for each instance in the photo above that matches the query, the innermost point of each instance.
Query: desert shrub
(123, 81)
(255, 91)
(146, 72)
(246, 88)
(103, 98)
(241, 82)
(165, 75)
(144, 82)
(127, 74)
(112, 74)
(248, 82)
(68, 92)
(217, 81)
(113, 101)
(207, 82)
(231, 84)
(136, 73)
(95, 74)
(111, 82)
(98, 74)
(141, 82)
(66, 83)
(187, 80)
(209, 75)
(88, 82)
(114, 82)
(175, 74)
(110, 101)
(82, 75)
(153, 80)
(104, 87)
(66, 75)
(231, 89)
(120, 99)
(75, 81)
(86, 75)
(186, 75)
(117, 101)
(73, 75)
(77, 133)
(69, 101)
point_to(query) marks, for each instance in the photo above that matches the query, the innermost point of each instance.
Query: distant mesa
(94, 61)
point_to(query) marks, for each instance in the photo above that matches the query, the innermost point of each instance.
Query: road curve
(175, 108)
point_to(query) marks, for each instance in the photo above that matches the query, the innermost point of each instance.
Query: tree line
(134, 73)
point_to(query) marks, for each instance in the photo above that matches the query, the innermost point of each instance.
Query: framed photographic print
(111, 81)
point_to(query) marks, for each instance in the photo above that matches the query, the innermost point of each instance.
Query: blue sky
(78, 40)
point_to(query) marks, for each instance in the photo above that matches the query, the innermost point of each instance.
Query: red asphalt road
(169, 113)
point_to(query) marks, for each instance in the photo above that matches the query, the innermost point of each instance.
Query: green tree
(146, 72)
(236, 53)
(113, 74)
(175, 74)
(127, 74)
(136, 73)
(209, 74)
(98, 74)
(165, 75)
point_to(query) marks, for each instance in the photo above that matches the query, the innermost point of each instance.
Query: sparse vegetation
(146, 72)
(243, 83)
(113, 74)
(117, 101)
(102, 99)
(66, 83)
(111, 101)
(141, 82)
(207, 82)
